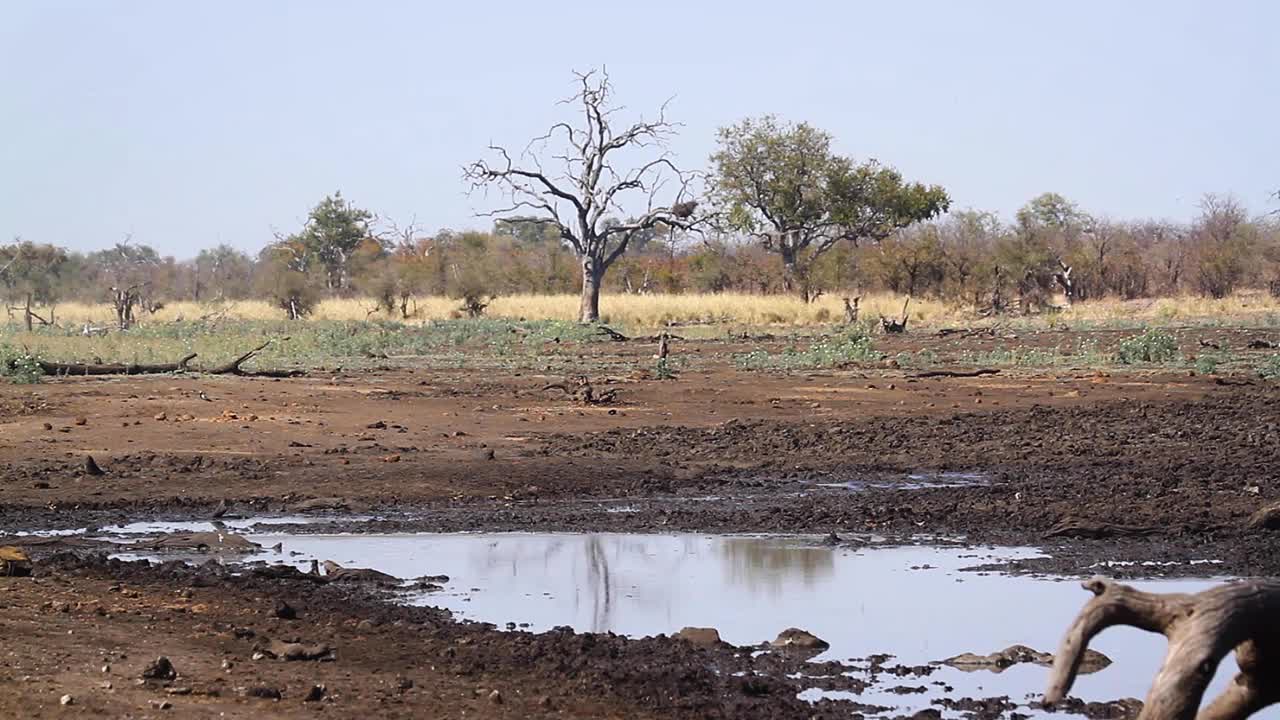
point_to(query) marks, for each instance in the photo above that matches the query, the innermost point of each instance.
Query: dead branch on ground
(957, 373)
(1201, 628)
(583, 391)
(896, 326)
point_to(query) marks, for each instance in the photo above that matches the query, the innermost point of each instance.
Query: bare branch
(1201, 629)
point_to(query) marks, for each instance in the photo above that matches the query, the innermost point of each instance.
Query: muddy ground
(1132, 464)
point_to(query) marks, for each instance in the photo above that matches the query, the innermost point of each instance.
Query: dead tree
(583, 197)
(1063, 277)
(124, 300)
(851, 310)
(1201, 628)
(663, 346)
(896, 326)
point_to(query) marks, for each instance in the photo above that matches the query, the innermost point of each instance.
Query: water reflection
(773, 565)
(750, 588)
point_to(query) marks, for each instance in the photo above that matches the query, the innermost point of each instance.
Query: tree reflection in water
(765, 564)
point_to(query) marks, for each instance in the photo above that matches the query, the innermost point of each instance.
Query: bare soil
(1159, 465)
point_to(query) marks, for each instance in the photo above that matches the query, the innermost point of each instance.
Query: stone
(495, 697)
(160, 669)
(702, 636)
(315, 694)
(285, 611)
(795, 638)
(67, 700)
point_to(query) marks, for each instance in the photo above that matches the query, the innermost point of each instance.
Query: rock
(998, 662)
(91, 466)
(263, 691)
(160, 416)
(795, 638)
(702, 636)
(404, 683)
(47, 426)
(336, 573)
(160, 669)
(285, 611)
(320, 504)
(161, 704)
(377, 425)
(81, 421)
(214, 541)
(66, 700)
(495, 697)
(315, 694)
(296, 650)
(14, 562)
(484, 454)
(928, 714)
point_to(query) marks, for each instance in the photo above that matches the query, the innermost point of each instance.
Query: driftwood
(87, 369)
(1201, 628)
(584, 392)
(612, 334)
(182, 365)
(233, 367)
(957, 373)
(896, 326)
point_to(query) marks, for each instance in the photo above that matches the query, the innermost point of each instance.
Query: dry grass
(650, 311)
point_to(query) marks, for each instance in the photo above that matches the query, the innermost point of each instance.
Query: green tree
(223, 271)
(29, 274)
(334, 229)
(783, 185)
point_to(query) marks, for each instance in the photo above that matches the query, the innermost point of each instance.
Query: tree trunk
(592, 273)
(26, 314)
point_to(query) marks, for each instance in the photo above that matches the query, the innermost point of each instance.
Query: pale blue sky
(188, 124)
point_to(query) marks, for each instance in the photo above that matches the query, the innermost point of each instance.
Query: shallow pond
(915, 603)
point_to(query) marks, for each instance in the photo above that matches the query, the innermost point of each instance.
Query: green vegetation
(316, 344)
(1152, 346)
(850, 348)
(19, 366)
(1269, 369)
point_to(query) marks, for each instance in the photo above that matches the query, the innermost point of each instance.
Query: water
(863, 602)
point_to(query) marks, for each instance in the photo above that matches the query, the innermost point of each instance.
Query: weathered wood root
(583, 391)
(957, 373)
(90, 369)
(612, 334)
(182, 365)
(233, 367)
(1201, 628)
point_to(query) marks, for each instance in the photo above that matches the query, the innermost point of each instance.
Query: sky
(184, 125)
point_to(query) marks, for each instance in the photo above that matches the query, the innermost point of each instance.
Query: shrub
(1269, 369)
(1152, 346)
(849, 348)
(19, 366)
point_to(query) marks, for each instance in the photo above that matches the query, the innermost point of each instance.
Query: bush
(19, 366)
(1152, 346)
(850, 348)
(1269, 369)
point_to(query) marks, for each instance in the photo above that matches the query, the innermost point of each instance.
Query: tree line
(595, 204)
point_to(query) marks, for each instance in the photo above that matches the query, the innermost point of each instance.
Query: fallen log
(612, 334)
(183, 365)
(957, 373)
(90, 369)
(233, 367)
(1201, 628)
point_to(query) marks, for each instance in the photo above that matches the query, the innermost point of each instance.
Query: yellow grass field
(651, 311)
